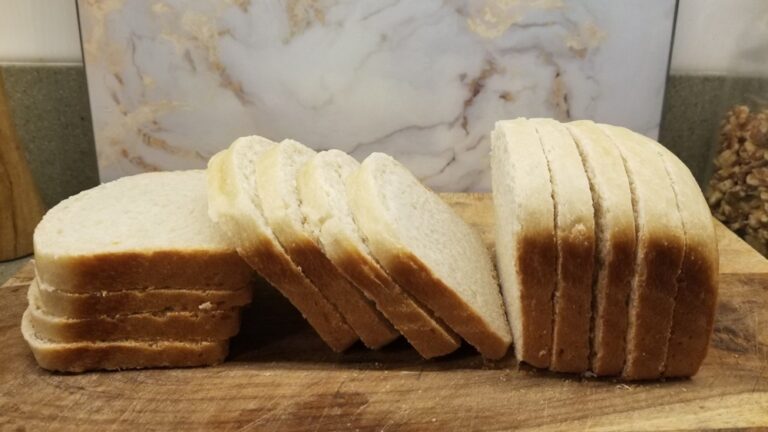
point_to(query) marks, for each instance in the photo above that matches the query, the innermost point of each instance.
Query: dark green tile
(49, 104)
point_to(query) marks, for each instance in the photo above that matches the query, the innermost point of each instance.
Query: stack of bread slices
(605, 248)
(133, 274)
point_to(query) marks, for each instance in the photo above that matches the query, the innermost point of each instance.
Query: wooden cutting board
(280, 376)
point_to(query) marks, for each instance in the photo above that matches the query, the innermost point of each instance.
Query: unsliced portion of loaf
(128, 354)
(214, 325)
(575, 233)
(660, 247)
(696, 300)
(235, 205)
(429, 251)
(526, 249)
(148, 231)
(325, 207)
(615, 236)
(76, 305)
(276, 173)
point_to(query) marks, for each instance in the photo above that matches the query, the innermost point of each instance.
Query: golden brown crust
(408, 270)
(425, 332)
(278, 269)
(654, 303)
(361, 314)
(74, 305)
(537, 265)
(201, 270)
(84, 356)
(577, 253)
(694, 313)
(610, 330)
(178, 326)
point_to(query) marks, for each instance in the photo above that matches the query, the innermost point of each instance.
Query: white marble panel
(171, 82)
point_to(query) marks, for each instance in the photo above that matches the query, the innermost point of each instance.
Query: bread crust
(359, 312)
(180, 326)
(84, 356)
(660, 248)
(425, 332)
(233, 211)
(195, 270)
(615, 251)
(75, 305)
(537, 264)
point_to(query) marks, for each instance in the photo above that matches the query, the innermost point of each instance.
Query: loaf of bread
(606, 250)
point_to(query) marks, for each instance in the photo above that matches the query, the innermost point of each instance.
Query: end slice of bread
(429, 251)
(325, 207)
(116, 355)
(235, 205)
(615, 237)
(660, 247)
(575, 233)
(276, 173)
(697, 284)
(526, 249)
(128, 234)
(77, 305)
(215, 325)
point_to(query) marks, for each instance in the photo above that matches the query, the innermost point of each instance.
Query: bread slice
(615, 237)
(575, 234)
(235, 205)
(276, 173)
(148, 231)
(660, 247)
(325, 208)
(526, 248)
(128, 354)
(215, 325)
(696, 300)
(75, 305)
(429, 251)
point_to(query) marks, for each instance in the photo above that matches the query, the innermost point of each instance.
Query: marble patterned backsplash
(173, 82)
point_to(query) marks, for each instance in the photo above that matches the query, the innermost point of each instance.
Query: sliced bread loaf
(526, 249)
(429, 251)
(276, 173)
(575, 234)
(127, 354)
(76, 305)
(660, 247)
(147, 231)
(696, 300)
(235, 205)
(325, 207)
(214, 325)
(615, 237)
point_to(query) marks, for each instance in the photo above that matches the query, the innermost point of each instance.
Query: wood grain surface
(20, 205)
(280, 376)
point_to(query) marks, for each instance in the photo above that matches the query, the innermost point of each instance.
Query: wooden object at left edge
(20, 205)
